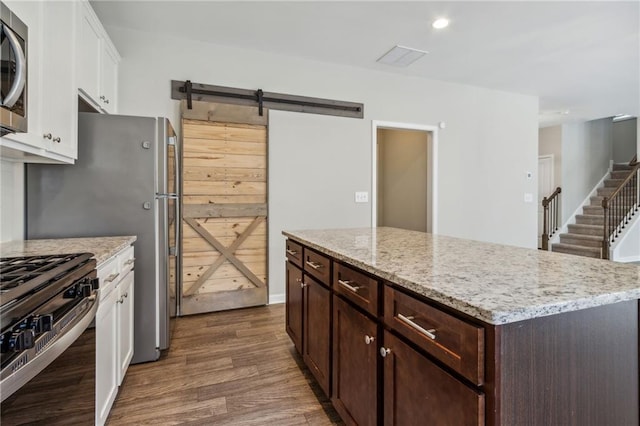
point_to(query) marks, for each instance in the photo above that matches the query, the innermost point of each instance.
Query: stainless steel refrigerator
(125, 182)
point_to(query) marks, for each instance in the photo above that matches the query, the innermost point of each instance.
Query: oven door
(13, 72)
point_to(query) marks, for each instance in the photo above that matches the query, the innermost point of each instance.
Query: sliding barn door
(224, 238)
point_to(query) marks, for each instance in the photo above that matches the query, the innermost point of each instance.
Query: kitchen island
(402, 327)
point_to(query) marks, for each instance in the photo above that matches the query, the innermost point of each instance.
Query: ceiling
(582, 58)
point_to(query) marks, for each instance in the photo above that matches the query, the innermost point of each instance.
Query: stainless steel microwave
(13, 72)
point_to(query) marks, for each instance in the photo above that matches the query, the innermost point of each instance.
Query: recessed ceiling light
(440, 23)
(401, 56)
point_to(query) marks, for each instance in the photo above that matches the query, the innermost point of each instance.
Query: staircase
(585, 236)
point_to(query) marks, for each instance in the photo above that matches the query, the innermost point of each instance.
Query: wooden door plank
(216, 146)
(224, 160)
(199, 187)
(224, 199)
(225, 210)
(226, 174)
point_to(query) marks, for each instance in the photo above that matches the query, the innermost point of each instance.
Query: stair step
(619, 174)
(618, 167)
(586, 229)
(612, 183)
(593, 210)
(577, 250)
(606, 191)
(596, 201)
(581, 240)
(587, 219)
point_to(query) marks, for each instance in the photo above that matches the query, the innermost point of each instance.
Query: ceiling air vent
(401, 56)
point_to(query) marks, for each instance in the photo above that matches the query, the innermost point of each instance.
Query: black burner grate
(22, 275)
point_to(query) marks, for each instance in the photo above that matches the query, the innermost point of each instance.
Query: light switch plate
(362, 197)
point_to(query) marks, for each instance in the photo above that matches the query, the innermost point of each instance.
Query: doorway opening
(404, 176)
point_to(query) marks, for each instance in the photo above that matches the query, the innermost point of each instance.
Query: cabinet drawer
(357, 287)
(455, 342)
(126, 260)
(109, 275)
(294, 253)
(318, 266)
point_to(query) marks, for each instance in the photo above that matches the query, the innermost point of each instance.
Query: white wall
(586, 154)
(550, 143)
(11, 201)
(628, 248)
(316, 162)
(624, 140)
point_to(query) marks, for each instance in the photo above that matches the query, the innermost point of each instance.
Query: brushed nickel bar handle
(292, 252)
(112, 277)
(348, 285)
(314, 265)
(130, 261)
(431, 333)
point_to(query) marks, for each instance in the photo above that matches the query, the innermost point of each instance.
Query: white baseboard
(628, 259)
(276, 298)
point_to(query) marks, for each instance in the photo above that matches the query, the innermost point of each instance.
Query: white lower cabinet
(125, 325)
(106, 361)
(114, 329)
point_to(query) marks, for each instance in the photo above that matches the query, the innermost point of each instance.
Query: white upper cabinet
(97, 64)
(68, 53)
(59, 101)
(89, 52)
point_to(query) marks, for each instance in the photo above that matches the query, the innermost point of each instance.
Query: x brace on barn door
(277, 101)
(226, 253)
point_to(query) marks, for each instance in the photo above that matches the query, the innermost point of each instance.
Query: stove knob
(41, 323)
(95, 283)
(20, 340)
(85, 289)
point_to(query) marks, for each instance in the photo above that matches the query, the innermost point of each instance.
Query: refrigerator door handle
(167, 196)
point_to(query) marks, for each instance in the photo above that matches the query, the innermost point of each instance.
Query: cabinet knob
(368, 339)
(57, 140)
(384, 351)
(102, 98)
(121, 300)
(47, 136)
(303, 285)
(106, 101)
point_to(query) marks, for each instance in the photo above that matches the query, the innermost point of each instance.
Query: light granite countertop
(494, 283)
(102, 248)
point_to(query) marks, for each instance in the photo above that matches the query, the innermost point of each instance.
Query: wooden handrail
(550, 221)
(620, 207)
(615, 193)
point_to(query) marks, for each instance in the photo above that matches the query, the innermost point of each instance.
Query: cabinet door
(125, 325)
(355, 378)
(109, 79)
(59, 99)
(317, 331)
(417, 392)
(89, 52)
(106, 356)
(294, 305)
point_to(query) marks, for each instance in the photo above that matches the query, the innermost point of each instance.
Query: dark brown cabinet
(355, 365)
(417, 392)
(317, 331)
(294, 305)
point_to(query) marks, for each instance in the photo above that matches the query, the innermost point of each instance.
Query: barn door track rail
(277, 101)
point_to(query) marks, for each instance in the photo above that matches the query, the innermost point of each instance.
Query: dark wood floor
(227, 368)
